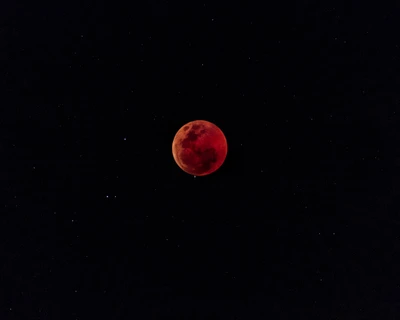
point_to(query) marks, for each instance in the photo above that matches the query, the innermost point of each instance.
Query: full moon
(199, 148)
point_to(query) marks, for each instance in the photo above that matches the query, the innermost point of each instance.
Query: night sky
(97, 221)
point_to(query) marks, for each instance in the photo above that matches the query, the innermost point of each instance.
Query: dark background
(98, 222)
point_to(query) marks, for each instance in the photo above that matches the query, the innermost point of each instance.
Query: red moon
(199, 148)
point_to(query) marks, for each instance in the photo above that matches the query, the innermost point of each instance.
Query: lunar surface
(199, 148)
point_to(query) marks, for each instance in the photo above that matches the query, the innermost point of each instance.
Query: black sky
(98, 222)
